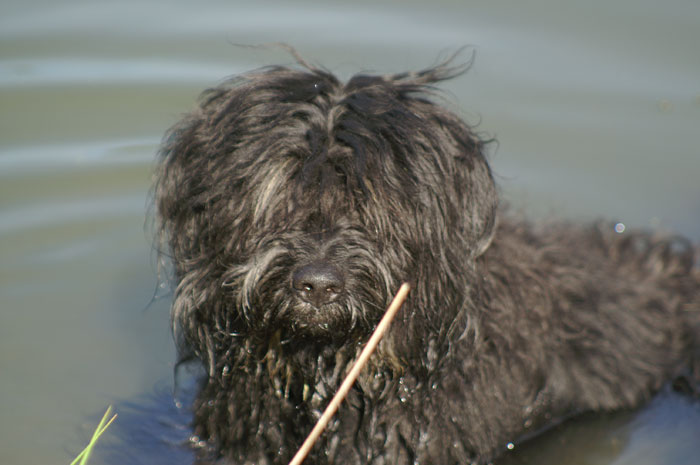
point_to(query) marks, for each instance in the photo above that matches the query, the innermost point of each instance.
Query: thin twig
(352, 375)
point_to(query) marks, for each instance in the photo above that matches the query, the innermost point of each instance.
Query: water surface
(596, 107)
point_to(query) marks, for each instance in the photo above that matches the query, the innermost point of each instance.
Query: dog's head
(294, 205)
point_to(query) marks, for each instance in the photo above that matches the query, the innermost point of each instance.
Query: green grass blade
(82, 458)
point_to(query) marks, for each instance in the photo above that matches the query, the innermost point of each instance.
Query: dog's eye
(301, 116)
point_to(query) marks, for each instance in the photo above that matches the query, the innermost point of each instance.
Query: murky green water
(596, 106)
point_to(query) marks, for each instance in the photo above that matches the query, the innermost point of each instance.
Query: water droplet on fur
(197, 442)
(620, 228)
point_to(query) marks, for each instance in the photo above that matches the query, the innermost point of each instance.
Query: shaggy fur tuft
(284, 181)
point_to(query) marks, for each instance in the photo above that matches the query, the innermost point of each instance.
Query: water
(596, 107)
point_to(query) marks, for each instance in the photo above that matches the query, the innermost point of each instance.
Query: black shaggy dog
(294, 205)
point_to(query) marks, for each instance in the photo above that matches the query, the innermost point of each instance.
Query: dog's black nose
(318, 283)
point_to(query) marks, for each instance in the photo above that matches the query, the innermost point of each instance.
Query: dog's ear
(459, 151)
(475, 189)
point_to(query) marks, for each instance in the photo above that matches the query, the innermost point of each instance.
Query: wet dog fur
(292, 205)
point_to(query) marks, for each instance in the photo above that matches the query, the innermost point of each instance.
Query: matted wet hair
(286, 172)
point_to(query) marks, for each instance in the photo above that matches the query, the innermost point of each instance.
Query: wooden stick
(352, 375)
